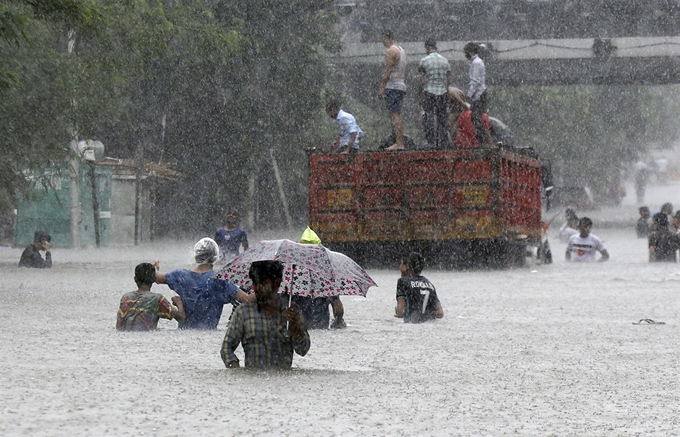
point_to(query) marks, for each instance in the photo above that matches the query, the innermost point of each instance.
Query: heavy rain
(132, 129)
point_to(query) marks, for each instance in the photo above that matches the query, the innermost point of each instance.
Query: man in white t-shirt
(583, 247)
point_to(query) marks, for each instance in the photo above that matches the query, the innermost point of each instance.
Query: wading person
(417, 299)
(268, 330)
(393, 87)
(435, 77)
(202, 295)
(642, 227)
(31, 255)
(141, 309)
(583, 247)
(231, 237)
(315, 310)
(663, 244)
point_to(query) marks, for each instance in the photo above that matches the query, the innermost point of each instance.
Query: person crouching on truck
(350, 132)
(417, 299)
(460, 120)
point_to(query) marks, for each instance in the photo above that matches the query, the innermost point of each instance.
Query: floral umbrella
(309, 269)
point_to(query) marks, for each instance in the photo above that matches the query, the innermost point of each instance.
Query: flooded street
(542, 350)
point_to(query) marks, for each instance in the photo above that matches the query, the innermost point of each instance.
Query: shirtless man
(393, 87)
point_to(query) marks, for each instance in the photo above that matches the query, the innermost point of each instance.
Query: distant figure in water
(417, 299)
(663, 244)
(667, 209)
(570, 227)
(583, 247)
(140, 310)
(642, 227)
(231, 237)
(31, 256)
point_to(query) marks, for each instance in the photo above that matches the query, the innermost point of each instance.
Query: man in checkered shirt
(435, 77)
(268, 329)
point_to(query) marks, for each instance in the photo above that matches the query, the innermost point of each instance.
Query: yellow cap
(309, 237)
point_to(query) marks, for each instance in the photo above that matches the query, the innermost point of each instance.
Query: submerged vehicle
(460, 207)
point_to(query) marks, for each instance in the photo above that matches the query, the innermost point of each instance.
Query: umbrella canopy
(309, 269)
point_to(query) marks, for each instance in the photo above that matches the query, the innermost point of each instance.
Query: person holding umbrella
(269, 331)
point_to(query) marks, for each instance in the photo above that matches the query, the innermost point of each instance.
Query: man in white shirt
(583, 247)
(477, 91)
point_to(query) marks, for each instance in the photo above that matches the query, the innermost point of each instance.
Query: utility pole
(88, 154)
(74, 165)
(138, 191)
(282, 193)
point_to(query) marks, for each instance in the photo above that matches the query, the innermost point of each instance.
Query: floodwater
(541, 350)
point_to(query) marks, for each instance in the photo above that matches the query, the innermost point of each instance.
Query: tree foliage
(212, 86)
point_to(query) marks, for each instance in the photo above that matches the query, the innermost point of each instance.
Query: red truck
(460, 208)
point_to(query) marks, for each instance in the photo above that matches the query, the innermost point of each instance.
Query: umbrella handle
(290, 293)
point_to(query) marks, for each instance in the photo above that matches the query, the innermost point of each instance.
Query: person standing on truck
(417, 299)
(350, 132)
(477, 91)
(393, 86)
(583, 247)
(435, 77)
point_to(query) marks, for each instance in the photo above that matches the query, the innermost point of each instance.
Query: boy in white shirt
(583, 247)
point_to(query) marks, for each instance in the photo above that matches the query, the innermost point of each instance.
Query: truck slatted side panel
(424, 195)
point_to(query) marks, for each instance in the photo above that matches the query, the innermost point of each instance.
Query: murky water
(534, 351)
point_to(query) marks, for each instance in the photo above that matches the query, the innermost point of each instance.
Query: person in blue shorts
(393, 86)
(231, 237)
(202, 295)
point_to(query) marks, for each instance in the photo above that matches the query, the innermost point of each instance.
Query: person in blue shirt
(203, 296)
(350, 132)
(231, 237)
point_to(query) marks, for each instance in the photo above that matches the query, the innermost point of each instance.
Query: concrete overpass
(532, 42)
(587, 61)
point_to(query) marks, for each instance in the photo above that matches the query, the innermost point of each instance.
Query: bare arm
(243, 297)
(400, 309)
(338, 314)
(181, 314)
(605, 256)
(439, 311)
(160, 277)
